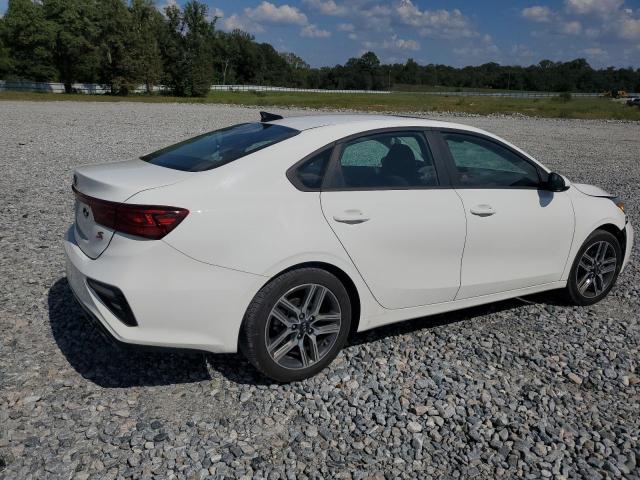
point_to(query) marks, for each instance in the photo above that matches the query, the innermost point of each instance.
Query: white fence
(97, 89)
(53, 87)
(267, 88)
(512, 94)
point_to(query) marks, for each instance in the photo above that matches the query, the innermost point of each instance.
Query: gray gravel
(524, 388)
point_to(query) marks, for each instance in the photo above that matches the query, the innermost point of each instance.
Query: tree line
(125, 43)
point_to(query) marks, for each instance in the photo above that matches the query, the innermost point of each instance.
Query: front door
(518, 234)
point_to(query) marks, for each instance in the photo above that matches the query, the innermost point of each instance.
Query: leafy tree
(297, 70)
(147, 23)
(117, 67)
(123, 43)
(6, 63)
(187, 45)
(75, 31)
(170, 42)
(198, 44)
(30, 38)
(244, 56)
(294, 61)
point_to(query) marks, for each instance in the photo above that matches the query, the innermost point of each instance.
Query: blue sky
(459, 32)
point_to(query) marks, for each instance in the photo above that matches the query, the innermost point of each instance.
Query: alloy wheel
(303, 326)
(596, 269)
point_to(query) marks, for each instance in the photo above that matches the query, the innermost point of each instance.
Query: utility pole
(224, 72)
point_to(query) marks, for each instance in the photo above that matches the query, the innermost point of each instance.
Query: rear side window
(216, 148)
(386, 161)
(311, 173)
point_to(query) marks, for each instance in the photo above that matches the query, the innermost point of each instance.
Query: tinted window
(482, 163)
(311, 172)
(387, 160)
(219, 147)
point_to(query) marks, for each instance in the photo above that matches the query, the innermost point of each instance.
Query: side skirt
(392, 316)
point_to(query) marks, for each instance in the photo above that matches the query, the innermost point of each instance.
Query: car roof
(365, 121)
(349, 124)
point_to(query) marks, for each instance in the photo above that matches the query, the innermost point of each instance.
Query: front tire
(296, 324)
(595, 269)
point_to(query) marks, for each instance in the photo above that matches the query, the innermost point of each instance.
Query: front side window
(219, 147)
(386, 160)
(482, 163)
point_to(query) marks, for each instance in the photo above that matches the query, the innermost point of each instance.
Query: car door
(518, 234)
(397, 217)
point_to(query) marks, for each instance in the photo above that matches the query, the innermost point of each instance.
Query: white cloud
(346, 27)
(571, 28)
(400, 44)
(326, 7)
(434, 23)
(312, 31)
(538, 14)
(267, 12)
(630, 28)
(253, 19)
(602, 7)
(522, 52)
(241, 23)
(393, 44)
(592, 33)
(166, 4)
(594, 52)
(376, 18)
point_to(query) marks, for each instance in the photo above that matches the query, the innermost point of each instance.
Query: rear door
(518, 233)
(398, 219)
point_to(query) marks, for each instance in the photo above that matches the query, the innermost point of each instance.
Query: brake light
(148, 221)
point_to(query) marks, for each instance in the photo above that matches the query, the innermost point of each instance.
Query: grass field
(395, 102)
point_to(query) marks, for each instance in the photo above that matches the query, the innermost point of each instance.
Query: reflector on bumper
(114, 300)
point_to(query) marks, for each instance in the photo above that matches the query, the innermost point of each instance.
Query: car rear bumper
(629, 234)
(177, 301)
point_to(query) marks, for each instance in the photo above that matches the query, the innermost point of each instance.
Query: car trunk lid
(112, 182)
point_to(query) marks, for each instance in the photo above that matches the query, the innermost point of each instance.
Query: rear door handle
(483, 210)
(351, 217)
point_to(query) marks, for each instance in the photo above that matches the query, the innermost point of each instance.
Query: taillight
(148, 221)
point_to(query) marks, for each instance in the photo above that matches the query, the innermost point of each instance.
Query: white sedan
(280, 237)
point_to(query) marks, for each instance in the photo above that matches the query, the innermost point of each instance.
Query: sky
(457, 33)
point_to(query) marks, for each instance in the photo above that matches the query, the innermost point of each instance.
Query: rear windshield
(219, 147)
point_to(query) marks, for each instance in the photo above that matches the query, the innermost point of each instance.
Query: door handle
(483, 210)
(351, 217)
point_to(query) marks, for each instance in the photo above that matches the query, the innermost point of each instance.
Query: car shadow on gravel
(111, 364)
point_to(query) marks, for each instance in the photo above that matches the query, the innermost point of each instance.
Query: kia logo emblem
(85, 212)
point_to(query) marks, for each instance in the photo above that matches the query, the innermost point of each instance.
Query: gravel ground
(524, 388)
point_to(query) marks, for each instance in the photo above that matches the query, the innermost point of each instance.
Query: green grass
(589, 108)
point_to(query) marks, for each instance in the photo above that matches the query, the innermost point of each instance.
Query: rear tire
(296, 324)
(595, 269)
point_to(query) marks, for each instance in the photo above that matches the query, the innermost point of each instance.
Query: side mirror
(555, 183)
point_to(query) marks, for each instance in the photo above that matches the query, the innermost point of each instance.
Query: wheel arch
(619, 233)
(349, 285)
